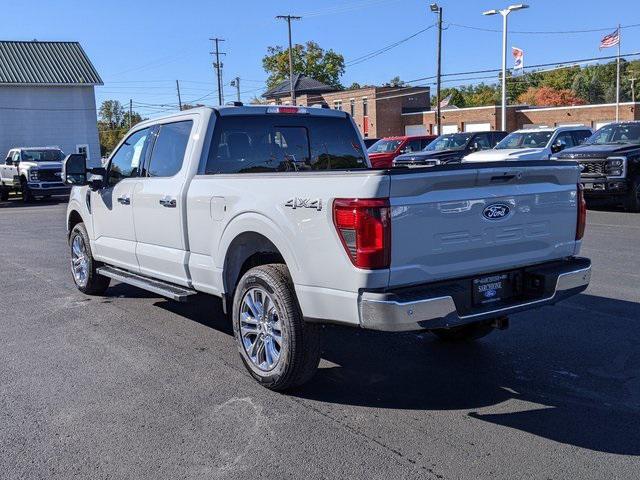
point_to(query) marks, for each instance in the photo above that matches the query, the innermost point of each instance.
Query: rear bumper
(443, 305)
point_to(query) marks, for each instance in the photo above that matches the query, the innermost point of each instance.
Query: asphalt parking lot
(133, 386)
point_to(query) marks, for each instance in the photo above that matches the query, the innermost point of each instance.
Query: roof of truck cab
(230, 110)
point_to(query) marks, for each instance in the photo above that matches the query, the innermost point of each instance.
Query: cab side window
(126, 162)
(483, 141)
(169, 149)
(580, 136)
(565, 139)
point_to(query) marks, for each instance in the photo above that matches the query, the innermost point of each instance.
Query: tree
(308, 59)
(113, 124)
(550, 97)
(188, 106)
(395, 82)
(457, 98)
(354, 86)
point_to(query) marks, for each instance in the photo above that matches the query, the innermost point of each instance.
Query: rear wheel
(278, 348)
(83, 266)
(464, 333)
(633, 197)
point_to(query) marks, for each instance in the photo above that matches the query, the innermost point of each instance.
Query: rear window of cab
(283, 143)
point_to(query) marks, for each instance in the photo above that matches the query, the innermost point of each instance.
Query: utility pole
(435, 8)
(218, 66)
(179, 99)
(130, 113)
(236, 83)
(618, 76)
(633, 89)
(288, 18)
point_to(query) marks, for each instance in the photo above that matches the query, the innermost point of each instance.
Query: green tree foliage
(395, 82)
(309, 59)
(113, 123)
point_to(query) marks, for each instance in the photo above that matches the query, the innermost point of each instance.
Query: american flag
(610, 40)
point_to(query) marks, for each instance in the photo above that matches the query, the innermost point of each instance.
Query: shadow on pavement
(417, 372)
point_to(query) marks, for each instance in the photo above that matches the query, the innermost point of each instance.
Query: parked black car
(610, 164)
(450, 148)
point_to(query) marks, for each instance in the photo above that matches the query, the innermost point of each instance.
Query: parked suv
(32, 171)
(450, 148)
(384, 151)
(610, 164)
(533, 144)
(275, 210)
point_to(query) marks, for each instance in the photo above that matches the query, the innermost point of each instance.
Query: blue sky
(141, 48)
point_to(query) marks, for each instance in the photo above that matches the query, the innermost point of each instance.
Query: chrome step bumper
(385, 311)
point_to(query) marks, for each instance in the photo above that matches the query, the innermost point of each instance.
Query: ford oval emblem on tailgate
(496, 211)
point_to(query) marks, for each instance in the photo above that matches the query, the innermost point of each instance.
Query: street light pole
(505, 13)
(435, 8)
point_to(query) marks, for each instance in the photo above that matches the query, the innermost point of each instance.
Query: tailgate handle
(502, 178)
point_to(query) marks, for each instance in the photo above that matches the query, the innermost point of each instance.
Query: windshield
(384, 146)
(525, 140)
(629, 133)
(448, 142)
(41, 156)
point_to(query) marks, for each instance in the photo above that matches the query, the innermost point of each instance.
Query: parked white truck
(276, 210)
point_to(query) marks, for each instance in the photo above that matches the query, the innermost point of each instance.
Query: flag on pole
(445, 101)
(610, 40)
(518, 58)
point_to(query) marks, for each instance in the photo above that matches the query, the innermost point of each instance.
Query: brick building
(376, 110)
(518, 116)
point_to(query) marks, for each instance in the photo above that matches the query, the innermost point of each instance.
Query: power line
(542, 32)
(382, 50)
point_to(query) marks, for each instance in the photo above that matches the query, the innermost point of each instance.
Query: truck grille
(597, 167)
(49, 176)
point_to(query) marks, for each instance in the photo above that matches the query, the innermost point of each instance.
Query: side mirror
(474, 147)
(74, 169)
(556, 147)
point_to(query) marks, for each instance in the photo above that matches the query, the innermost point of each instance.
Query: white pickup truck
(276, 211)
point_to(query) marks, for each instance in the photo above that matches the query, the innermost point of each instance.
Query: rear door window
(580, 136)
(283, 143)
(169, 149)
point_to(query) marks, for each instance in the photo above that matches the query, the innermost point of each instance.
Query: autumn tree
(309, 59)
(113, 124)
(550, 97)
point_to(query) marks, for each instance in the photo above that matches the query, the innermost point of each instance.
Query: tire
(464, 333)
(4, 194)
(277, 365)
(90, 282)
(27, 196)
(632, 203)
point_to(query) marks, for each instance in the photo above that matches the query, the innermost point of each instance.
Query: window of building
(337, 104)
(352, 107)
(83, 149)
(126, 161)
(365, 107)
(169, 149)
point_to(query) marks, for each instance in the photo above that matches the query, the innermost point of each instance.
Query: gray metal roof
(45, 63)
(301, 84)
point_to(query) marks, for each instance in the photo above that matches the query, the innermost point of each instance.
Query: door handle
(124, 200)
(168, 202)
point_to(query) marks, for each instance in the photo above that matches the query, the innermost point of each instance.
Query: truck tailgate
(462, 220)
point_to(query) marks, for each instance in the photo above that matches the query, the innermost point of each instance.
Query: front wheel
(464, 333)
(633, 197)
(27, 196)
(278, 348)
(83, 266)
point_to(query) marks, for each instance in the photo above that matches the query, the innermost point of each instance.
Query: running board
(169, 290)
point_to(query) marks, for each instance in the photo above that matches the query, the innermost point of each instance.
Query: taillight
(289, 110)
(582, 213)
(364, 227)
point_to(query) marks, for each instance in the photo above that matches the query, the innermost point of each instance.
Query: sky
(141, 48)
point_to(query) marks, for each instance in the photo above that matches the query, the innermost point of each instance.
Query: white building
(47, 97)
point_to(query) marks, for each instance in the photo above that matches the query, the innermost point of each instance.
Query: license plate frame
(494, 288)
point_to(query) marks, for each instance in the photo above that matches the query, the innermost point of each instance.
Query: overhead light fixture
(518, 6)
(490, 12)
(434, 7)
